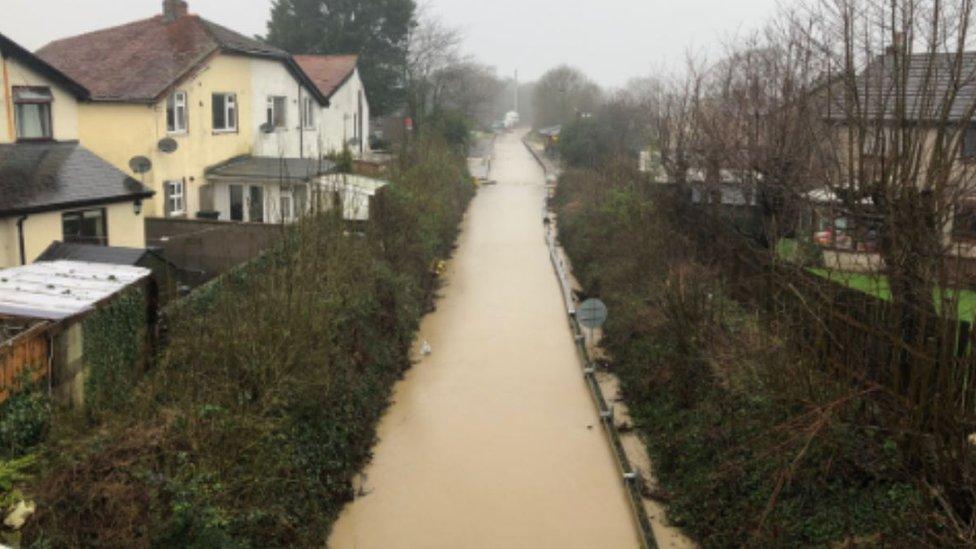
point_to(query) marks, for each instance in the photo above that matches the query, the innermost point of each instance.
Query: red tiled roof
(140, 61)
(328, 72)
(9, 48)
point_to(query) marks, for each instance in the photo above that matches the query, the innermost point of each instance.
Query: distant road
(492, 441)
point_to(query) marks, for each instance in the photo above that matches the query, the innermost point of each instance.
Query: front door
(236, 203)
(256, 205)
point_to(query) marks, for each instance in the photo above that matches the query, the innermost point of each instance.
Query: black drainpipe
(20, 239)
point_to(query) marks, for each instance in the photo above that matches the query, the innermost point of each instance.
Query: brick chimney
(174, 9)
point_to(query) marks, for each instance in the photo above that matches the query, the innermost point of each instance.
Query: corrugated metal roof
(61, 289)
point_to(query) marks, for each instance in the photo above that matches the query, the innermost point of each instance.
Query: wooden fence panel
(27, 353)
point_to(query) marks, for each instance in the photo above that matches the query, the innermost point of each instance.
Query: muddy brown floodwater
(492, 440)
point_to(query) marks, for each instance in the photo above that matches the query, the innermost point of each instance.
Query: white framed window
(175, 198)
(176, 112)
(224, 112)
(32, 109)
(308, 113)
(277, 109)
(287, 207)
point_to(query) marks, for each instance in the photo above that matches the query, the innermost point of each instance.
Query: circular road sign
(592, 314)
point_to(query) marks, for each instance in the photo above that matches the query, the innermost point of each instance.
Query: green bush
(24, 421)
(265, 401)
(453, 127)
(750, 445)
(343, 160)
(115, 343)
(584, 143)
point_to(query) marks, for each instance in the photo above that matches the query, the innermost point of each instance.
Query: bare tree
(434, 46)
(562, 94)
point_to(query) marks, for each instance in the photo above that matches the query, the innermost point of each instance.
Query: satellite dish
(168, 145)
(267, 127)
(140, 164)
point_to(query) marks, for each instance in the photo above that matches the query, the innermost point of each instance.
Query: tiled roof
(328, 72)
(271, 169)
(92, 253)
(140, 61)
(9, 48)
(931, 81)
(38, 177)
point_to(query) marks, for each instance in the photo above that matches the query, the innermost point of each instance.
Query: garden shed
(353, 193)
(85, 327)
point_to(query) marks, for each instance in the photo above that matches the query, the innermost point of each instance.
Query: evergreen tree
(377, 30)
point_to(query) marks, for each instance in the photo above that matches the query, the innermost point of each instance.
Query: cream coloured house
(52, 188)
(193, 98)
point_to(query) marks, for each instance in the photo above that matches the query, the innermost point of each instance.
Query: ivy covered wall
(115, 351)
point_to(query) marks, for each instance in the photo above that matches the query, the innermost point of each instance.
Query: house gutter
(20, 239)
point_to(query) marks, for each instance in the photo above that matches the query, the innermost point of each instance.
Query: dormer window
(176, 112)
(32, 108)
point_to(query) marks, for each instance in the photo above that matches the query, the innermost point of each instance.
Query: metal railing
(629, 475)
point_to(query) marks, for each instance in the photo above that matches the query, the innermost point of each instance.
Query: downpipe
(20, 239)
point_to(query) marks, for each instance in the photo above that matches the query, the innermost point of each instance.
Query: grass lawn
(787, 248)
(877, 285)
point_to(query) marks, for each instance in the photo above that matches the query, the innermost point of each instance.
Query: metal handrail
(630, 477)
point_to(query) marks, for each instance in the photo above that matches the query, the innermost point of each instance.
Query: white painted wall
(272, 78)
(64, 109)
(272, 200)
(337, 123)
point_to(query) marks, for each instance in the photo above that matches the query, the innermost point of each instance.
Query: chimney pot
(174, 9)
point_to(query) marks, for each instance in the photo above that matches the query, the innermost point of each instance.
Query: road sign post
(592, 315)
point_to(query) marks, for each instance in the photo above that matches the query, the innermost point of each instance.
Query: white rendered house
(345, 121)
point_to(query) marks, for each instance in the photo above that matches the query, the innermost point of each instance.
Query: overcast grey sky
(611, 40)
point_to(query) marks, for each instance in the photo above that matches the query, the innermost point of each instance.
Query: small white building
(354, 193)
(344, 123)
(262, 189)
(53, 299)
